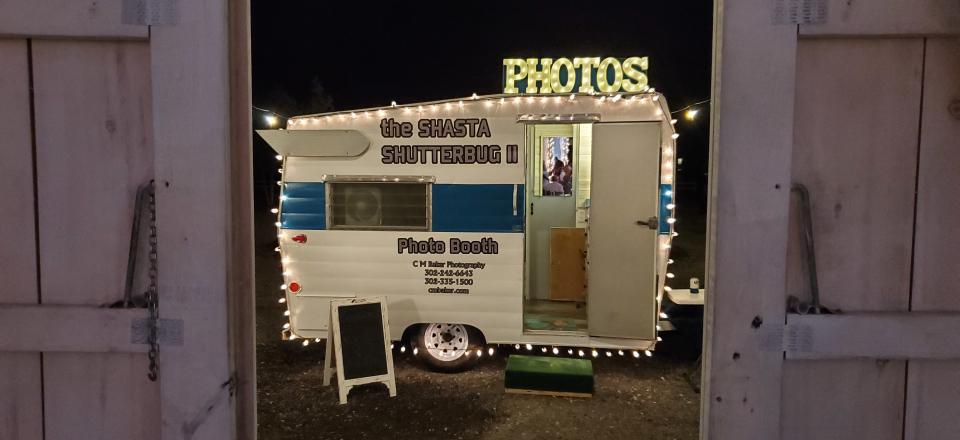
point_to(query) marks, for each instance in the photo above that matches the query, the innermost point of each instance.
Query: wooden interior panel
(842, 399)
(933, 387)
(93, 141)
(855, 148)
(93, 150)
(99, 396)
(568, 266)
(21, 411)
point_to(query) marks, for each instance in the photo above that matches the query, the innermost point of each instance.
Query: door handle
(651, 223)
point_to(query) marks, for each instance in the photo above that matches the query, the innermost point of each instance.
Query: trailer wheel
(448, 348)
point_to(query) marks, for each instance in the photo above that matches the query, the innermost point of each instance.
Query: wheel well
(410, 333)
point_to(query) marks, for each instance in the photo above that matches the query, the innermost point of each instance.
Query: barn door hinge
(150, 12)
(799, 12)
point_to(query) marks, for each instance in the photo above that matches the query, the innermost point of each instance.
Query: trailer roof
(519, 99)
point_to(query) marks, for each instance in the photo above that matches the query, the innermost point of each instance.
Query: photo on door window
(557, 157)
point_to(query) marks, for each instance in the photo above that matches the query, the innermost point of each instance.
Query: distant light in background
(271, 120)
(691, 114)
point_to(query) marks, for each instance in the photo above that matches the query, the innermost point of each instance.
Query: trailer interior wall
(856, 109)
(93, 108)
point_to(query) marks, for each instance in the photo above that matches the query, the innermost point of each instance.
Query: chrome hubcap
(446, 342)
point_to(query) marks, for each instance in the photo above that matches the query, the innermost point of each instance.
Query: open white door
(621, 269)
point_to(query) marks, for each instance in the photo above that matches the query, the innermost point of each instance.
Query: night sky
(312, 56)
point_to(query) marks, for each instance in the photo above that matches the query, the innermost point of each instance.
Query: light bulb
(671, 220)
(283, 287)
(670, 275)
(274, 210)
(580, 353)
(415, 351)
(282, 300)
(279, 157)
(664, 316)
(555, 350)
(609, 354)
(286, 325)
(675, 135)
(594, 353)
(517, 346)
(403, 349)
(286, 313)
(636, 353)
(306, 342)
(671, 206)
(479, 352)
(648, 353)
(659, 339)
(620, 352)
(490, 351)
(529, 347)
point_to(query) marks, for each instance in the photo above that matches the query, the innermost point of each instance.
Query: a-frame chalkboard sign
(359, 338)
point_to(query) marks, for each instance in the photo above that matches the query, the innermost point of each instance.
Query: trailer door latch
(650, 223)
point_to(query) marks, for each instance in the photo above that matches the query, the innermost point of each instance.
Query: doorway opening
(558, 194)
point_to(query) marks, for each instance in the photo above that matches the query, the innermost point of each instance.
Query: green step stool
(551, 376)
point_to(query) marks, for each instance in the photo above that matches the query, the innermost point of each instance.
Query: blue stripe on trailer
(478, 208)
(666, 198)
(304, 206)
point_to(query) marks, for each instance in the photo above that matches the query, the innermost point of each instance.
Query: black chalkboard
(362, 342)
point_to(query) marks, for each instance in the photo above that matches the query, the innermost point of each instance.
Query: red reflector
(294, 287)
(302, 238)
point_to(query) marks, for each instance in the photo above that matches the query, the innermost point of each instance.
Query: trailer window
(557, 166)
(379, 205)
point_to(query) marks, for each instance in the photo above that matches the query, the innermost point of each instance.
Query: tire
(448, 348)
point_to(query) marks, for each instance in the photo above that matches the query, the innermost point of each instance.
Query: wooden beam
(879, 335)
(888, 18)
(99, 19)
(191, 114)
(77, 329)
(240, 267)
(751, 140)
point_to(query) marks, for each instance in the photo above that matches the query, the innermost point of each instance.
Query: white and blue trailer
(503, 219)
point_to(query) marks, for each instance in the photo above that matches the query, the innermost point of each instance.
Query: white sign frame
(333, 348)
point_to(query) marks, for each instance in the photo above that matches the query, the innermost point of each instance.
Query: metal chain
(151, 294)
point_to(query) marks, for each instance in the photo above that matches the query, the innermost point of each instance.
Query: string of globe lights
(649, 95)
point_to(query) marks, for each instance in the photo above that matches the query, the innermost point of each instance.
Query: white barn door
(870, 127)
(96, 104)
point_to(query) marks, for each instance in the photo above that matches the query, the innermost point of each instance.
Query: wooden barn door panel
(933, 387)
(93, 140)
(21, 412)
(855, 148)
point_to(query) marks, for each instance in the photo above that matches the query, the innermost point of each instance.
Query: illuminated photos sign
(582, 75)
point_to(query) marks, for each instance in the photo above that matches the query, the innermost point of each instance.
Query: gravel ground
(634, 398)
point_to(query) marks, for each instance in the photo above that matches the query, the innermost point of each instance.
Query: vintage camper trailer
(503, 219)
